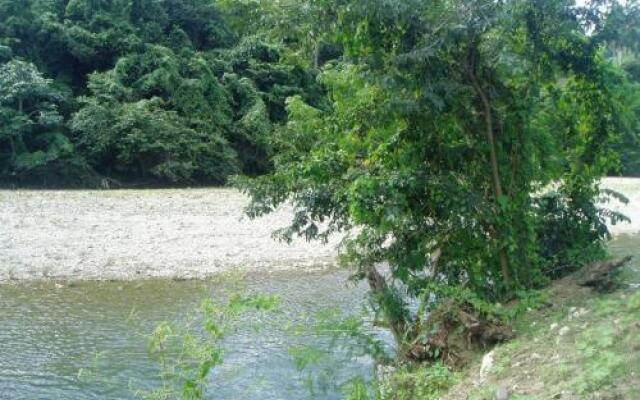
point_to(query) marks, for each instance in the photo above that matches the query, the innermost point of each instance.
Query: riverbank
(165, 233)
(572, 344)
(583, 347)
(141, 234)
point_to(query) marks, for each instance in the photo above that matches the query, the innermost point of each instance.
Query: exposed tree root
(454, 330)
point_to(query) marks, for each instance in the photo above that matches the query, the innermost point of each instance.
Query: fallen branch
(598, 274)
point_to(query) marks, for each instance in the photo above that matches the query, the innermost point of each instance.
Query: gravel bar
(138, 234)
(175, 233)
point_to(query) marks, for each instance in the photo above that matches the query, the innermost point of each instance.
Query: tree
(156, 116)
(622, 38)
(216, 79)
(304, 27)
(31, 124)
(5, 54)
(441, 133)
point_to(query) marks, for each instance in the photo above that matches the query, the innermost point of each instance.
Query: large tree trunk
(493, 157)
(12, 144)
(378, 284)
(316, 55)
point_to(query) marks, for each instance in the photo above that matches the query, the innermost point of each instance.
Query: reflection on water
(89, 341)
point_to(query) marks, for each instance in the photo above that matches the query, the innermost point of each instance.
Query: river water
(89, 340)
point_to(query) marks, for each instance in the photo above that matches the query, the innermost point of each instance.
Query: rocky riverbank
(138, 234)
(180, 234)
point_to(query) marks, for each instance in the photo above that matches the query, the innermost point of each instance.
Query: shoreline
(143, 234)
(179, 234)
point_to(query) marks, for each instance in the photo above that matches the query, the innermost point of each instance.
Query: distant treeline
(171, 92)
(141, 91)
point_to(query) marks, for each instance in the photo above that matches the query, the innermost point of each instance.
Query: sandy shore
(135, 234)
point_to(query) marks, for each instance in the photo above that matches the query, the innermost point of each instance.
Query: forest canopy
(140, 91)
(179, 92)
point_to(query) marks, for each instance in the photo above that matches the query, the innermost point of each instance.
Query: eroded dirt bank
(133, 234)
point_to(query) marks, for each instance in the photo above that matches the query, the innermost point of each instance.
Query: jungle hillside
(142, 92)
(147, 92)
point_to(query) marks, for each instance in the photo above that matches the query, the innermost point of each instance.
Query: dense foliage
(139, 91)
(462, 148)
(183, 92)
(622, 32)
(32, 125)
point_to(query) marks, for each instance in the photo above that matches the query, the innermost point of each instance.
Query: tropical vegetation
(139, 92)
(462, 149)
(456, 145)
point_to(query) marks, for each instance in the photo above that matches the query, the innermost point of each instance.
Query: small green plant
(599, 372)
(419, 383)
(188, 353)
(357, 389)
(353, 338)
(601, 361)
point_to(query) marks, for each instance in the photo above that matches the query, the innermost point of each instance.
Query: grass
(585, 346)
(582, 346)
(422, 382)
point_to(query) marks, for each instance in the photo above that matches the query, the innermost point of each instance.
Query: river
(89, 339)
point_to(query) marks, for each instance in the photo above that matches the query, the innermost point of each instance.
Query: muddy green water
(90, 340)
